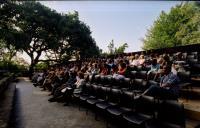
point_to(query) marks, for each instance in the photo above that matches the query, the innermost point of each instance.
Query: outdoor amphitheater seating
(195, 70)
(185, 78)
(143, 111)
(124, 105)
(117, 98)
(142, 75)
(133, 74)
(138, 86)
(170, 114)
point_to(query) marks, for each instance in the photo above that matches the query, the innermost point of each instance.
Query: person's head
(154, 62)
(81, 75)
(136, 56)
(166, 58)
(72, 73)
(141, 57)
(166, 69)
(122, 65)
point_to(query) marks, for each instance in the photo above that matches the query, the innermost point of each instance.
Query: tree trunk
(30, 73)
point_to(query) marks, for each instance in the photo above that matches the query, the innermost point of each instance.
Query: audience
(64, 80)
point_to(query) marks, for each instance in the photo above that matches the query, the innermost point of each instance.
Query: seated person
(121, 71)
(95, 69)
(104, 69)
(178, 63)
(122, 68)
(168, 88)
(70, 82)
(76, 88)
(141, 60)
(135, 61)
(154, 67)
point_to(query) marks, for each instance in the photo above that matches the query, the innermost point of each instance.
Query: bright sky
(122, 21)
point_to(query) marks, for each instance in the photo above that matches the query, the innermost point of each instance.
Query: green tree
(36, 29)
(178, 27)
(111, 47)
(121, 48)
(114, 50)
(7, 52)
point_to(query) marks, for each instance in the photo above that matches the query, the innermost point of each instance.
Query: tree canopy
(36, 30)
(178, 27)
(116, 50)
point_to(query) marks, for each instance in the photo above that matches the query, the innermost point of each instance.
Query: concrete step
(192, 112)
(191, 94)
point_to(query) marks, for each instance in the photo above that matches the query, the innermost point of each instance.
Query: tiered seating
(116, 99)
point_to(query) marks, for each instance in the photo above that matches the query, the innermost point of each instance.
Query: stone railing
(7, 93)
(4, 82)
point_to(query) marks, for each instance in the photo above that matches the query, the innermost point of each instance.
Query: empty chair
(195, 54)
(185, 79)
(109, 81)
(190, 57)
(139, 86)
(185, 82)
(139, 68)
(102, 80)
(125, 105)
(133, 74)
(96, 79)
(113, 98)
(170, 115)
(101, 101)
(94, 97)
(192, 61)
(117, 83)
(92, 91)
(100, 95)
(144, 108)
(125, 85)
(195, 70)
(142, 75)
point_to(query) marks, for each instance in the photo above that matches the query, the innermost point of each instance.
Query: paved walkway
(32, 110)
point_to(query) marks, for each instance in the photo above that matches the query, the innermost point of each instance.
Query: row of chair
(137, 81)
(120, 103)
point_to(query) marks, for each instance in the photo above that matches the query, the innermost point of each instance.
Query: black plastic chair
(170, 115)
(144, 108)
(133, 74)
(125, 105)
(113, 96)
(125, 85)
(185, 82)
(142, 75)
(139, 86)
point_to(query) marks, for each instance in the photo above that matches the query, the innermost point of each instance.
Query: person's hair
(123, 65)
(80, 75)
(168, 67)
(154, 62)
(166, 58)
